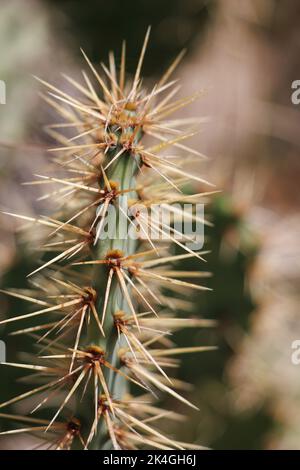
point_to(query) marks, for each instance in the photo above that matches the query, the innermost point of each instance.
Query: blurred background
(245, 54)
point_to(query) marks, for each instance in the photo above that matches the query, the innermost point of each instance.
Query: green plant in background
(106, 300)
(234, 249)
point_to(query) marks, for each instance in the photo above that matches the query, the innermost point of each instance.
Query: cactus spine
(107, 322)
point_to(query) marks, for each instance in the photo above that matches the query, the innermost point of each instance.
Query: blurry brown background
(245, 54)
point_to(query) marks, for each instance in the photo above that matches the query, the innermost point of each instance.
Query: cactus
(106, 298)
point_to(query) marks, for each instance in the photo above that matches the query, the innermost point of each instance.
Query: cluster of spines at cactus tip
(103, 319)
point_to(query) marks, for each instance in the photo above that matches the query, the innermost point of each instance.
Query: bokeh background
(245, 54)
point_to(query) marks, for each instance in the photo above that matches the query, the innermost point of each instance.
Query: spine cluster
(106, 300)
